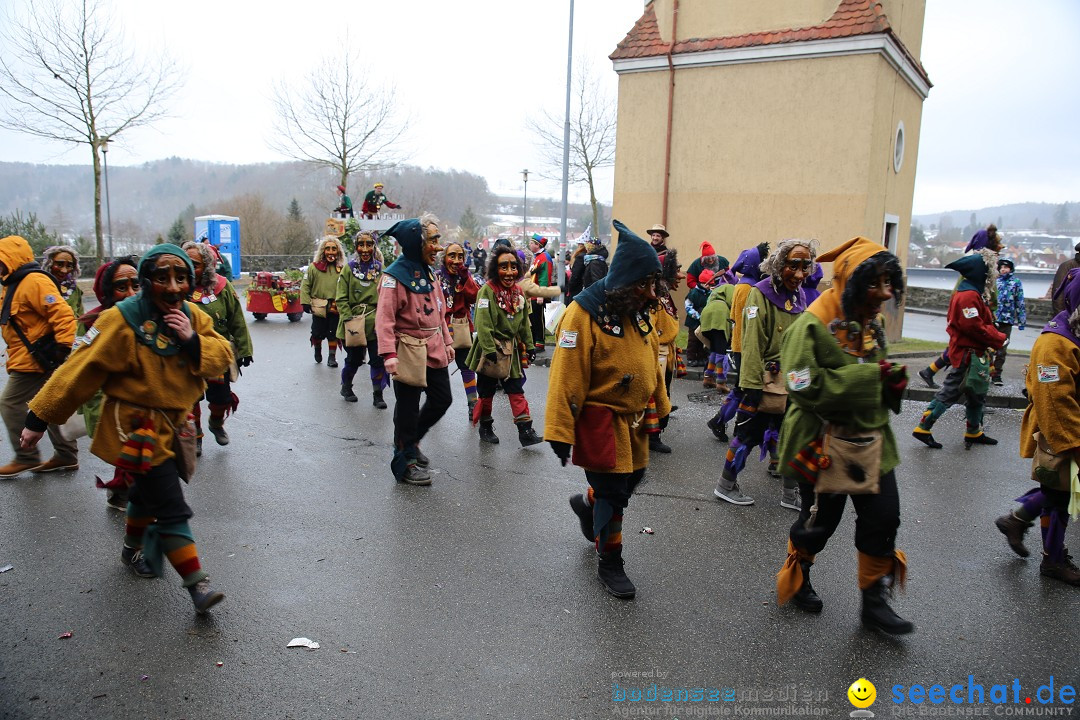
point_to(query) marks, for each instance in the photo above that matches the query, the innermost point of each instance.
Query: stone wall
(918, 298)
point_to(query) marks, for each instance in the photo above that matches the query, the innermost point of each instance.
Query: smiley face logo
(862, 693)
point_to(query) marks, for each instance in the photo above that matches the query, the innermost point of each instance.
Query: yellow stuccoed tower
(742, 121)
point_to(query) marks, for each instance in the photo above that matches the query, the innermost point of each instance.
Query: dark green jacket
(492, 323)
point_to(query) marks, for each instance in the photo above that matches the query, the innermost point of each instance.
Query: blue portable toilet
(223, 231)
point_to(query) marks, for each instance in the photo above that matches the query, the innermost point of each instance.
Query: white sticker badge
(751, 312)
(482, 304)
(799, 379)
(568, 339)
(1048, 373)
(388, 281)
(971, 312)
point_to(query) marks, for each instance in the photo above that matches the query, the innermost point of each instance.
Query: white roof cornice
(879, 44)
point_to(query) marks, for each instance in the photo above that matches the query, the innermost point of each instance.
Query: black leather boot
(612, 577)
(585, 516)
(348, 394)
(806, 599)
(526, 435)
(487, 432)
(876, 613)
(377, 399)
(331, 360)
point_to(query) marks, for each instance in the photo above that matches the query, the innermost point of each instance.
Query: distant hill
(1017, 216)
(147, 199)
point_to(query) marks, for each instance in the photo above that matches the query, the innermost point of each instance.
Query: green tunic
(318, 284)
(493, 323)
(353, 294)
(228, 316)
(716, 314)
(74, 301)
(824, 382)
(763, 324)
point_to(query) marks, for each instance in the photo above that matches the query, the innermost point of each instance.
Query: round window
(898, 148)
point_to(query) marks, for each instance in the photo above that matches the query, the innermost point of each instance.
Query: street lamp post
(525, 210)
(108, 206)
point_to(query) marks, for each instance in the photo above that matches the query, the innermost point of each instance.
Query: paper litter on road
(6, 568)
(65, 636)
(304, 643)
(647, 531)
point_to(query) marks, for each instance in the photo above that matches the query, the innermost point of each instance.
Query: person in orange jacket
(33, 304)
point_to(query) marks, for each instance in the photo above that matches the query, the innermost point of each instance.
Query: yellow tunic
(738, 303)
(1053, 387)
(134, 379)
(588, 367)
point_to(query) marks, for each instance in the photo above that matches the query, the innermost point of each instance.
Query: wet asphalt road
(477, 597)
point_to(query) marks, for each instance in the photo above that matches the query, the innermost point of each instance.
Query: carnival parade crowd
(806, 377)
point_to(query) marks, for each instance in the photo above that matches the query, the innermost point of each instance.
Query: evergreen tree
(178, 232)
(472, 228)
(30, 228)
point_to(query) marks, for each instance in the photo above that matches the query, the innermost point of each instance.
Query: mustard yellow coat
(588, 367)
(134, 379)
(667, 331)
(1053, 387)
(738, 303)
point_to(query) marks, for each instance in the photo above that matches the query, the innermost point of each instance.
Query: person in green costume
(501, 318)
(837, 371)
(216, 297)
(358, 295)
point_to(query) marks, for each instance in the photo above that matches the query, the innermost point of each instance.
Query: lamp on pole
(525, 209)
(108, 206)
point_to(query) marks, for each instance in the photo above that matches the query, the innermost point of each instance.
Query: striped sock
(468, 377)
(610, 539)
(184, 558)
(590, 497)
(934, 367)
(135, 522)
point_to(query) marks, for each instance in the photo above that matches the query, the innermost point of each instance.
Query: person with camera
(38, 327)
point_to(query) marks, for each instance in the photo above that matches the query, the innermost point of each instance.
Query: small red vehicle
(271, 293)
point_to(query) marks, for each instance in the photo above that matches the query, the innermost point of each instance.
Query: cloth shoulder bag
(774, 394)
(318, 306)
(462, 332)
(850, 462)
(1049, 468)
(412, 360)
(500, 369)
(356, 329)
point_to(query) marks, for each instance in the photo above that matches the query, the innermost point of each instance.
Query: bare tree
(67, 74)
(592, 136)
(337, 119)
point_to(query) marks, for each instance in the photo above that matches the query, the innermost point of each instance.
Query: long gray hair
(774, 264)
(208, 260)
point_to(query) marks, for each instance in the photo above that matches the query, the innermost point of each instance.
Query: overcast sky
(999, 125)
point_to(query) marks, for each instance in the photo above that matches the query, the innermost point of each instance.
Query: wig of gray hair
(52, 252)
(774, 264)
(208, 260)
(428, 219)
(327, 239)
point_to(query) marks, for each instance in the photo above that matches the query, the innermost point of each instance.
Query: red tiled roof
(852, 18)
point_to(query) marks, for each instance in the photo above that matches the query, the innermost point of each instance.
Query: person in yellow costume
(151, 354)
(604, 372)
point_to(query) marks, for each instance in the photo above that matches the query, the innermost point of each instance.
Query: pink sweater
(418, 314)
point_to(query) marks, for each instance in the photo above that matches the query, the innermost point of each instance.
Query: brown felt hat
(658, 228)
